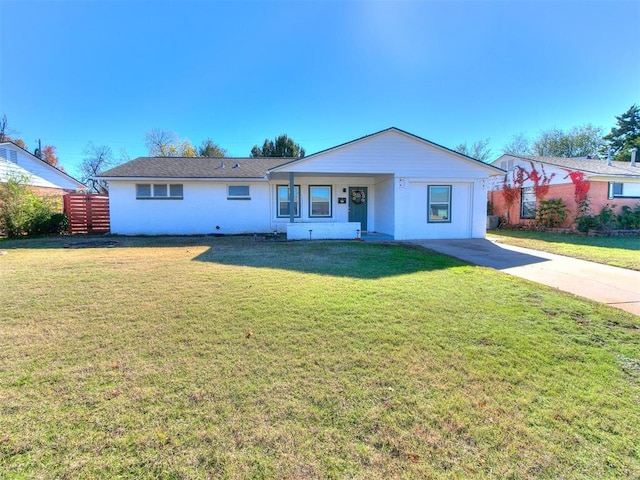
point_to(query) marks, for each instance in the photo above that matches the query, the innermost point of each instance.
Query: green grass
(366, 361)
(616, 251)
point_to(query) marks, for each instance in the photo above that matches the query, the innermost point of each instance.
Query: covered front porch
(333, 206)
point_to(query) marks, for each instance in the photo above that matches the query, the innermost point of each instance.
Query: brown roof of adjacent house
(195, 167)
(587, 165)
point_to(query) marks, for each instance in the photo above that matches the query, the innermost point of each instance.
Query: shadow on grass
(104, 241)
(624, 243)
(331, 257)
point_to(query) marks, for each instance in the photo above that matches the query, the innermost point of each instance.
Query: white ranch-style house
(391, 182)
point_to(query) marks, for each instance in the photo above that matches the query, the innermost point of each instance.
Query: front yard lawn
(229, 358)
(616, 251)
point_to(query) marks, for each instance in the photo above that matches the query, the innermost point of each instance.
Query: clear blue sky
(324, 72)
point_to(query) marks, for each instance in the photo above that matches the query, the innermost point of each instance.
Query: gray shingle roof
(195, 167)
(587, 165)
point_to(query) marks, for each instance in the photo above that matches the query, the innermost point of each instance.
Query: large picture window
(319, 201)
(527, 203)
(159, 191)
(283, 201)
(439, 200)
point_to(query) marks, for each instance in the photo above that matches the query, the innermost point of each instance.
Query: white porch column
(292, 212)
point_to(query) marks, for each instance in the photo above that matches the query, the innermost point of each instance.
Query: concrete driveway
(613, 286)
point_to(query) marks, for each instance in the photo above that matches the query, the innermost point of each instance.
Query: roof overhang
(181, 179)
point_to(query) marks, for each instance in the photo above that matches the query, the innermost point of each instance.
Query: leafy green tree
(210, 149)
(282, 146)
(479, 150)
(625, 136)
(577, 142)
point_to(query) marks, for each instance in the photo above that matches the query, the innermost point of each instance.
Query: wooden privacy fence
(88, 213)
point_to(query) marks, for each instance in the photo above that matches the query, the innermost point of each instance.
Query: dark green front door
(358, 199)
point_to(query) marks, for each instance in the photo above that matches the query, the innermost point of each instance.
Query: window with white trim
(439, 204)
(624, 190)
(319, 201)
(527, 203)
(159, 191)
(283, 201)
(615, 189)
(238, 192)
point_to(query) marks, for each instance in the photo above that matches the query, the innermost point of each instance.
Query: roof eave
(58, 170)
(179, 179)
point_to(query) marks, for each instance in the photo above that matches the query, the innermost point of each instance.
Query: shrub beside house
(31, 193)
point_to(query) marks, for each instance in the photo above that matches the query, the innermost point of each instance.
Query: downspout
(292, 212)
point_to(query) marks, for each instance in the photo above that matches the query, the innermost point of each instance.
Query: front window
(320, 201)
(173, 191)
(283, 201)
(143, 190)
(527, 203)
(238, 192)
(615, 189)
(160, 190)
(439, 199)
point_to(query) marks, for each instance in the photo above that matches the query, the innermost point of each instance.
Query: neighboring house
(16, 162)
(390, 182)
(608, 183)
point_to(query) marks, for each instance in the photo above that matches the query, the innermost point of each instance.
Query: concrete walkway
(613, 286)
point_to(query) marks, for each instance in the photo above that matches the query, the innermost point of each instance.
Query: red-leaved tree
(511, 190)
(49, 155)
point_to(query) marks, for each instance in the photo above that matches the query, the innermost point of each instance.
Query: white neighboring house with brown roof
(18, 163)
(610, 183)
(390, 182)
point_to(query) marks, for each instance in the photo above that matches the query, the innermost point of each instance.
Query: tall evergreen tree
(211, 149)
(282, 146)
(625, 136)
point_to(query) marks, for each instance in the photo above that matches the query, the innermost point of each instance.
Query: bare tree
(520, 144)
(161, 143)
(97, 159)
(479, 150)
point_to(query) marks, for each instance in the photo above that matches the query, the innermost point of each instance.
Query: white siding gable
(559, 175)
(15, 162)
(390, 152)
